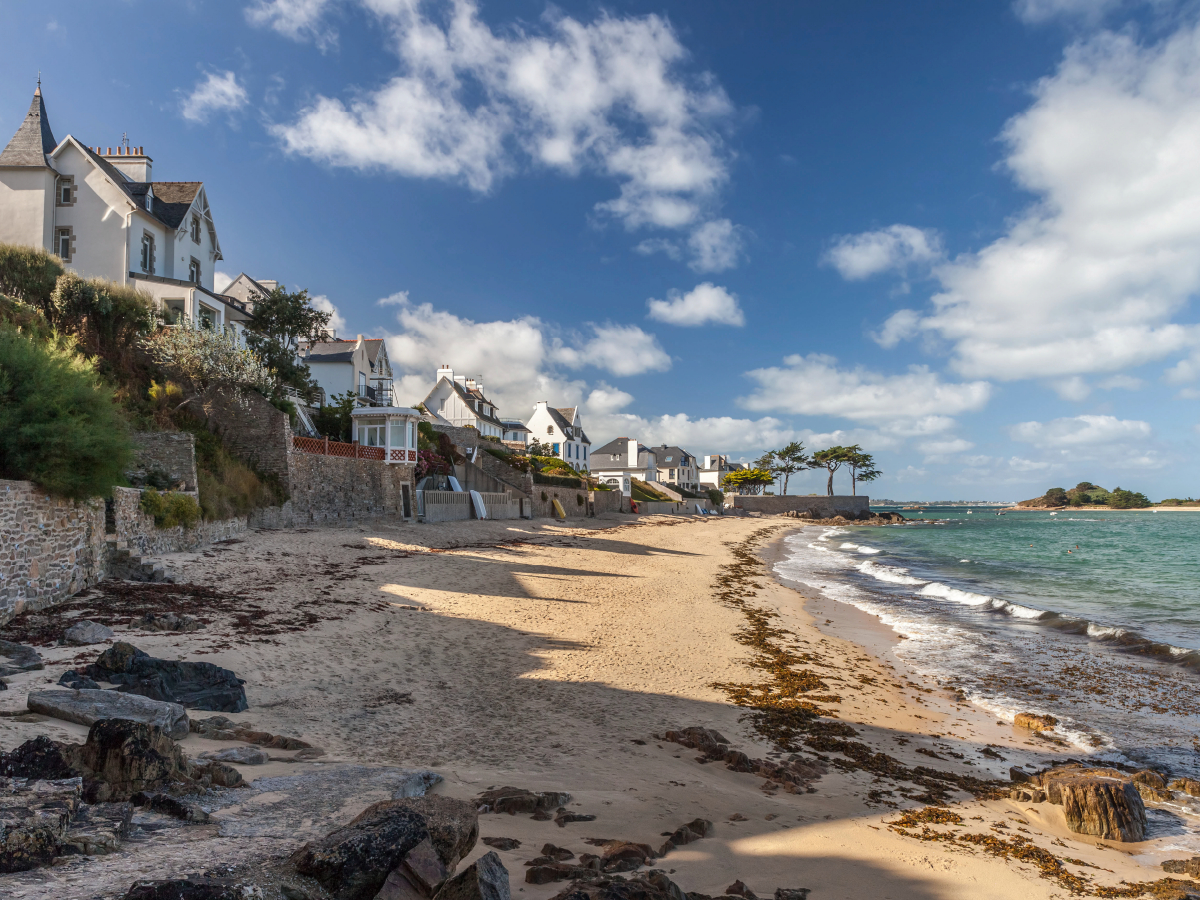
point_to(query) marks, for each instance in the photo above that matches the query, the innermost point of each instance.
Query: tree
(861, 466)
(283, 319)
(1056, 497)
(748, 481)
(768, 462)
(106, 318)
(59, 426)
(207, 362)
(1122, 499)
(831, 460)
(333, 419)
(790, 460)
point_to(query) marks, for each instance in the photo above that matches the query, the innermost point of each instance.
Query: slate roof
(34, 141)
(342, 350)
(514, 425)
(173, 199)
(470, 396)
(600, 457)
(675, 454)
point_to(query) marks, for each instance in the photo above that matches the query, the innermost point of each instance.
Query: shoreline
(554, 657)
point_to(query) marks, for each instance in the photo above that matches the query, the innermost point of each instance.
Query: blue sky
(963, 235)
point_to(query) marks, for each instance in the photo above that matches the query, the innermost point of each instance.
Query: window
(362, 384)
(397, 434)
(194, 271)
(63, 239)
(668, 459)
(371, 435)
(550, 430)
(208, 317)
(195, 229)
(585, 452)
(66, 191)
(147, 253)
(555, 448)
(149, 202)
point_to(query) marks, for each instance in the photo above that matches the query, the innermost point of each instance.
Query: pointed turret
(34, 141)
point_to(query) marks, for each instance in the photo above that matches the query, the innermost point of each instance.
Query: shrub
(556, 480)
(59, 426)
(716, 498)
(29, 274)
(228, 487)
(25, 317)
(170, 509)
(545, 496)
(1121, 499)
(106, 318)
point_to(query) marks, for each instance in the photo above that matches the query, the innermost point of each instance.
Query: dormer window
(195, 229)
(149, 199)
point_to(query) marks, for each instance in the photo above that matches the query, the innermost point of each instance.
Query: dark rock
(16, 659)
(193, 887)
(1183, 866)
(589, 861)
(97, 830)
(169, 621)
(503, 843)
(34, 818)
(542, 815)
(792, 893)
(624, 856)
(1100, 802)
(122, 758)
(87, 632)
(41, 758)
(1151, 785)
(652, 885)
(738, 761)
(557, 853)
(484, 879)
(551, 871)
(75, 681)
(217, 773)
(565, 818)
(194, 685)
(219, 728)
(1017, 775)
(738, 889)
(172, 806)
(1189, 786)
(354, 861)
(87, 707)
(513, 800)
(290, 892)
(418, 876)
(417, 782)
(685, 834)
(245, 756)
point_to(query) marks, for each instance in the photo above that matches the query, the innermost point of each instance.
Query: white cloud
(704, 303)
(296, 19)
(716, 246)
(1081, 431)
(337, 321)
(859, 256)
(1072, 388)
(650, 246)
(1123, 382)
(1036, 11)
(471, 105)
(605, 400)
(1090, 278)
(900, 326)
(218, 92)
(619, 349)
(814, 385)
(221, 280)
(939, 450)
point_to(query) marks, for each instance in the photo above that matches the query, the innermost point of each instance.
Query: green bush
(170, 509)
(716, 498)
(556, 480)
(25, 317)
(59, 426)
(1120, 499)
(29, 274)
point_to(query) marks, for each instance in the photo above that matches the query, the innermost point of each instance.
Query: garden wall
(136, 531)
(49, 548)
(254, 430)
(822, 507)
(330, 489)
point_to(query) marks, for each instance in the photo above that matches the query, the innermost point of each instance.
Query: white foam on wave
(1006, 711)
(1104, 632)
(890, 574)
(1018, 611)
(945, 592)
(858, 548)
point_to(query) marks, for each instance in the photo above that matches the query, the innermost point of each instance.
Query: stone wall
(568, 497)
(609, 502)
(822, 507)
(332, 489)
(135, 530)
(501, 471)
(254, 430)
(49, 548)
(672, 507)
(170, 452)
(464, 438)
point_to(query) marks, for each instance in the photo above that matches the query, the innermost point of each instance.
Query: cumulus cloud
(337, 322)
(296, 19)
(1081, 431)
(814, 385)
(1037, 11)
(704, 303)
(895, 248)
(939, 450)
(217, 92)
(221, 280)
(902, 325)
(471, 105)
(619, 349)
(1093, 276)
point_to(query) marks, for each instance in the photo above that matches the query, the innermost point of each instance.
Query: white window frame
(147, 253)
(194, 271)
(63, 235)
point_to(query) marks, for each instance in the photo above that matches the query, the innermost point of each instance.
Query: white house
(245, 289)
(105, 217)
(516, 434)
(624, 457)
(460, 401)
(562, 430)
(678, 467)
(714, 468)
(359, 367)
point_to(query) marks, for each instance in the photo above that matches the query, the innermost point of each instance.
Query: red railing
(326, 447)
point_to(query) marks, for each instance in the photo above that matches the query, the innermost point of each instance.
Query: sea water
(1092, 616)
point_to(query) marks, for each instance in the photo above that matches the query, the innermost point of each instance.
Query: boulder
(1034, 722)
(418, 876)
(513, 800)
(87, 632)
(685, 834)
(354, 861)
(652, 885)
(1100, 802)
(97, 830)
(245, 756)
(1151, 785)
(210, 773)
(220, 728)
(557, 853)
(551, 871)
(624, 856)
(793, 893)
(41, 758)
(417, 782)
(503, 843)
(122, 758)
(193, 887)
(169, 621)
(1183, 866)
(195, 685)
(16, 659)
(1189, 786)
(172, 806)
(91, 706)
(76, 682)
(34, 818)
(564, 818)
(484, 879)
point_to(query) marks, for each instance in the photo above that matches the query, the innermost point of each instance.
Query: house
(359, 367)
(102, 213)
(516, 434)
(624, 457)
(246, 289)
(562, 430)
(678, 467)
(460, 401)
(714, 468)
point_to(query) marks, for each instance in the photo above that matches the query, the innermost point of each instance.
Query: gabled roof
(34, 141)
(514, 425)
(619, 448)
(470, 395)
(173, 199)
(676, 454)
(567, 412)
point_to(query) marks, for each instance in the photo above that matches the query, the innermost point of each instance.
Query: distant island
(1088, 495)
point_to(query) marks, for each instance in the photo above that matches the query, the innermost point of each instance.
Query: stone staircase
(123, 564)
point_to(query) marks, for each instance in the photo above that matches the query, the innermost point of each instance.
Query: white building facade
(562, 430)
(359, 367)
(624, 457)
(460, 401)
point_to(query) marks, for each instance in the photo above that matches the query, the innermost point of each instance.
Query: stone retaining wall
(136, 531)
(609, 502)
(332, 489)
(49, 548)
(170, 452)
(822, 507)
(254, 430)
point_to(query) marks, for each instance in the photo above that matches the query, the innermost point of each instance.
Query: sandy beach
(545, 656)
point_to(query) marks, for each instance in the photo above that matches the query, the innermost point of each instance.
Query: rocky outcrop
(34, 818)
(97, 830)
(173, 806)
(686, 834)
(354, 862)
(195, 685)
(1151, 785)
(513, 800)
(484, 879)
(41, 759)
(503, 843)
(122, 758)
(1034, 722)
(243, 756)
(1189, 786)
(1100, 802)
(1183, 866)
(87, 707)
(87, 632)
(193, 887)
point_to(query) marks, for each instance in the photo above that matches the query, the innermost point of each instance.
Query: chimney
(541, 404)
(445, 372)
(479, 385)
(469, 384)
(134, 165)
(633, 452)
(461, 379)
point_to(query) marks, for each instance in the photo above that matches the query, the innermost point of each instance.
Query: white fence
(455, 506)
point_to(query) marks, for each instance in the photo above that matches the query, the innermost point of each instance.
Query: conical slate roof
(34, 141)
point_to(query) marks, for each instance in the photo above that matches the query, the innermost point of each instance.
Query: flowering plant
(207, 360)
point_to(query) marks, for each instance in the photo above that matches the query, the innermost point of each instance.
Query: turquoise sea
(1092, 616)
